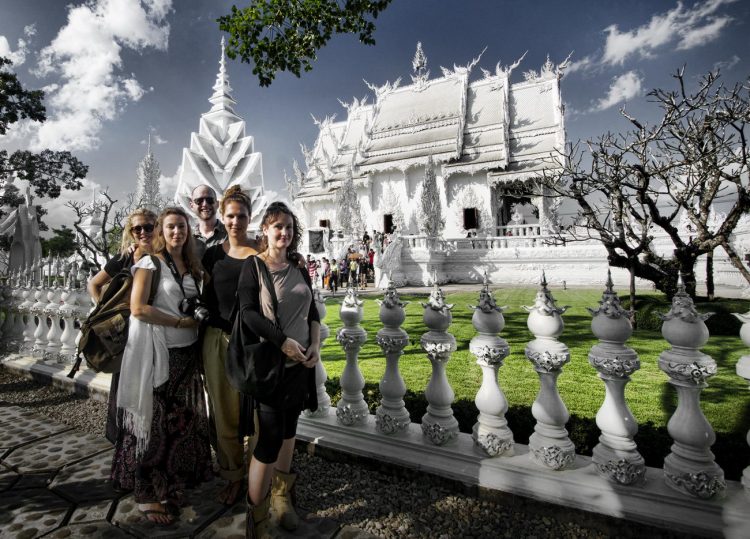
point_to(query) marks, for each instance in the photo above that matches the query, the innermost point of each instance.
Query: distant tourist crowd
(209, 309)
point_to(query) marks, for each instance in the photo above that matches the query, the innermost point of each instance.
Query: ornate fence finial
(438, 424)
(391, 416)
(549, 445)
(491, 431)
(690, 466)
(352, 408)
(743, 370)
(324, 400)
(616, 456)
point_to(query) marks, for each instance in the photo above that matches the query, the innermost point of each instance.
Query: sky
(115, 71)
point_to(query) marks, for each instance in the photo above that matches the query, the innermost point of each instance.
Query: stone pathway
(54, 482)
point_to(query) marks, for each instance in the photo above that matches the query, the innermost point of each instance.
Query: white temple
(220, 154)
(486, 141)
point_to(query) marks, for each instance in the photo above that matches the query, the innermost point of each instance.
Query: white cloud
(726, 65)
(690, 27)
(86, 55)
(623, 88)
(18, 57)
(168, 185)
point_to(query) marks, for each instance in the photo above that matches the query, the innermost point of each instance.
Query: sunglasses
(201, 200)
(147, 228)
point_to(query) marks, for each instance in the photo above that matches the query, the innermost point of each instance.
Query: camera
(194, 308)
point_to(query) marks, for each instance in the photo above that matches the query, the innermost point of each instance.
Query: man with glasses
(209, 230)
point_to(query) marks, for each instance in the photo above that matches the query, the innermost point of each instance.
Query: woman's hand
(293, 350)
(312, 356)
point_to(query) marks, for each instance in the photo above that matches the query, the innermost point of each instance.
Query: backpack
(104, 333)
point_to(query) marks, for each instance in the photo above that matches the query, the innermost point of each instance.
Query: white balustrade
(352, 408)
(29, 318)
(52, 311)
(41, 329)
(392, 416)
(616, 456)
(549, 445)
(690, 466)
(491, 431)
(438, 424)
(743, 370)
(324, 400)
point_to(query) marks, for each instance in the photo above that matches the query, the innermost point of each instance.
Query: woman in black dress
(297, 335)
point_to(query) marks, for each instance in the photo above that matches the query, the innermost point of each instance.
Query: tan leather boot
(258, 523)
(282, 499)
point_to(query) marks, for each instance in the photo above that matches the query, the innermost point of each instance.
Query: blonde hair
(127, 230)
(189, 255)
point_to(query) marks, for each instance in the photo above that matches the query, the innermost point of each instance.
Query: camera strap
(176, 274)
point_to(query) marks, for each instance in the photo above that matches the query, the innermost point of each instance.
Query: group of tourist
(177, 345)
(354, 270)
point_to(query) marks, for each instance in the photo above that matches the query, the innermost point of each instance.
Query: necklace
(274, 265)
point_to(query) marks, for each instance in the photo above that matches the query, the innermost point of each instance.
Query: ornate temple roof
(220, 154)
(488, 125)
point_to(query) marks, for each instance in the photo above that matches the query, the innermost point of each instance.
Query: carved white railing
(46, 314)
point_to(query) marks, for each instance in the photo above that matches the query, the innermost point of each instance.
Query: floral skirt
(178, 455)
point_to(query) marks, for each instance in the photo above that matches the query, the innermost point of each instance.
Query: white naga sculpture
(21, 225)
(220, 155)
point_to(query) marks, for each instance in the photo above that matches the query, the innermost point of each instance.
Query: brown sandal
(231, 492)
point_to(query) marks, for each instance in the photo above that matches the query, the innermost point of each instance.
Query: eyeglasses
(148, 228)
(200, 200)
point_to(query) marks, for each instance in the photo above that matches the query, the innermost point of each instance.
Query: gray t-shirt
(294, 299)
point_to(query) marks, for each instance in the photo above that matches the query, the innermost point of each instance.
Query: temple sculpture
(22, 227)
(220, 154)
(147, 194)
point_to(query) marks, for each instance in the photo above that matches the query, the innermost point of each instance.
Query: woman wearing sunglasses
(136, 242)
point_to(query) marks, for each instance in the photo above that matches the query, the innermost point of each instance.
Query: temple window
(324, 223)
(388, 223)
(471, 218)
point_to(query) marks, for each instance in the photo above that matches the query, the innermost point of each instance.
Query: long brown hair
(189, 255)
(272, 213)
(127, 230)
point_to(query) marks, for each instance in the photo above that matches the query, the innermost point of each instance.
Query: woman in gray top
(297, 335)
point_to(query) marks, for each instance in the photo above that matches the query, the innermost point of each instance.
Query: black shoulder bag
(252, 367)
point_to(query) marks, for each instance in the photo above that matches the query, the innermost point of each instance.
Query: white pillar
(391, 415)
(690, 466)
(28, 318)
(324, 401)
(352, 408)
(490, 432)
(616, 456)
(52, 311)
(438, 424)
(549, 445)
(743, 370)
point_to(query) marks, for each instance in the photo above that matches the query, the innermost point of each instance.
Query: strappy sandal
(149, 515)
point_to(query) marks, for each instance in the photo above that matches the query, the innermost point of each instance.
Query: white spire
(222, 98)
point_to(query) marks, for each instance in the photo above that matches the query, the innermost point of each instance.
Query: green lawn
(726, 402)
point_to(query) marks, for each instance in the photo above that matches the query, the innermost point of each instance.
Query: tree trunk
(736, 261)
(710, 275)
(633, 318)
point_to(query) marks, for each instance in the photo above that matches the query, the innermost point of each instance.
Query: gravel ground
(383, 503)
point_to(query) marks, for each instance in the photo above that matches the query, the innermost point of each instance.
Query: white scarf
(145, 366)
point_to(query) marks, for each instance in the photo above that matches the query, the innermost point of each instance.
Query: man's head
(203, 203)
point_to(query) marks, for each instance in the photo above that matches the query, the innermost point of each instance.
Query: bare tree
(629, 186)
(99, 227)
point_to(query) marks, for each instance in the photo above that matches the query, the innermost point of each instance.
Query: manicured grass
(726, 402)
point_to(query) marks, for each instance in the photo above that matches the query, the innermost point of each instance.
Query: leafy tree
(628, 186)
(284, 35)
(47, 172)
(63, 242)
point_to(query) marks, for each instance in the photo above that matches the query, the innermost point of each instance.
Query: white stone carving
(438, 424)
(352, 408)
(690, 466)
(392, 416)
(491, 431)
(743, 370)
(549, 444)
(615, 456)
